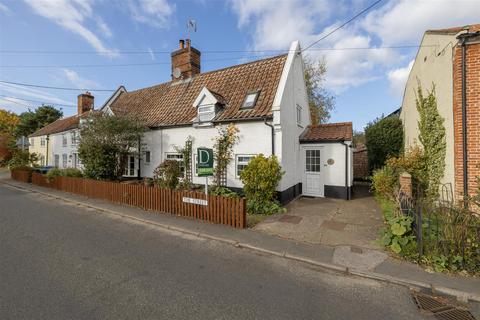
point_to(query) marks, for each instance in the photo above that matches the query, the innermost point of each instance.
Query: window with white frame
(147, 157)
(312, 161)
(64, 160)
(242, 161)
(250, 100)
(299, 115)
(64, 140)
(206, 113)
(73, 137)
(56, 160)
(177, 157)
(42, 141)
(32, 141)
(42, 160)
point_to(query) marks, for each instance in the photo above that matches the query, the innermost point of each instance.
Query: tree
(8, 122)
(105, 143)
(31, 121)
(320, 102)
(383, 139)
(432, 138)
(358, 138)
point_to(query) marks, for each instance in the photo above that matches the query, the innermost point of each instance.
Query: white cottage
(265, 99)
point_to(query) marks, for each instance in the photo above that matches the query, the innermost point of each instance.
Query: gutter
(273, 134)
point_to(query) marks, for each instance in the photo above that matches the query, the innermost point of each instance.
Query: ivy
(432, 137)
(186, 152)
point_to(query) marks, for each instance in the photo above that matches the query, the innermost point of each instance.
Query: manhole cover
(441, 307)
(334, 225)
(290, 219)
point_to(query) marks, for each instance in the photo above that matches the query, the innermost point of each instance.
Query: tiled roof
(455, 30)
(170, 103)
(58, 126)
(341, 131)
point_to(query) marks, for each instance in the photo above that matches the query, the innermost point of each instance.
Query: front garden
(106, 142)
(422, 222)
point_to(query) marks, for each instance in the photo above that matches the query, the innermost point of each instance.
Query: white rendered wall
(291, 92)
(56, 147)
(255, 138)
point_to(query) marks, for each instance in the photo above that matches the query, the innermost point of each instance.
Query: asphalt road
(59, 261)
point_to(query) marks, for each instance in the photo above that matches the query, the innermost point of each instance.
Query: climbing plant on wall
(186, 152)
(432, 137)
(223, 152)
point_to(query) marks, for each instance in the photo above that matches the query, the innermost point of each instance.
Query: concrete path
(332, 222)
(346, 260)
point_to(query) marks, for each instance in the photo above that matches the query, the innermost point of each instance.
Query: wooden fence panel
(220, 210)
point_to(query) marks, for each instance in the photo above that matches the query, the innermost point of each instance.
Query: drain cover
(441, 308)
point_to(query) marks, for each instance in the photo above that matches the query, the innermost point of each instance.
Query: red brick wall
(360, 163)
(473, 117)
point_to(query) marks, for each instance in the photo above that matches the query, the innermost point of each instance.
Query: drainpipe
(349, 196)
(463, 41)
(139, 162)
(273, 135)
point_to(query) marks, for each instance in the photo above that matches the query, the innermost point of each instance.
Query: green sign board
(204, 162)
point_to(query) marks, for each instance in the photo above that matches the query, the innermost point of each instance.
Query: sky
(102, 44)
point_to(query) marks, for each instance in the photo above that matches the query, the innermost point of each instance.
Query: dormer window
(206, 113)
(208, 103)
(250, 100)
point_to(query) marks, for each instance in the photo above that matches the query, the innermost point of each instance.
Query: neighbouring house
(56, 143)
(450, 59)
(265, 99)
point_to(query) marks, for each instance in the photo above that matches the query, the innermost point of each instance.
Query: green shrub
(385, 181)
(68, 172)
(398, 235)
(22, 158)
(260, 179)
(167, 174)
(224, 192)
(383, 139)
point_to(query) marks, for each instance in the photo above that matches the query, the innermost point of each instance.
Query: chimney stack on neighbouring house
(185, 61)
(85, 102)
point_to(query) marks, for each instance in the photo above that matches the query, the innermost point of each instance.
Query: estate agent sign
(204, 162)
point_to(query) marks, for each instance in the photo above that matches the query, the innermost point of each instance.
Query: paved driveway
(329, 221)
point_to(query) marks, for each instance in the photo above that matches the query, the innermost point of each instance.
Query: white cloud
(275, 24)
(30, 93)
(152, 55)
(71, 15)
(398, 78)
(13, 104)
(405, 21)
(156, 13)
(4, 8)
(77, 80)
(104, 28)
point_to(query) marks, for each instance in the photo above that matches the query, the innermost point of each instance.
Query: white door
(313, 184)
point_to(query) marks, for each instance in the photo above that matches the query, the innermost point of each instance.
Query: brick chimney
(186, 59)
(85, 102)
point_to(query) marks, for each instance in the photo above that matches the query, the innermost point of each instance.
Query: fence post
(406, 184)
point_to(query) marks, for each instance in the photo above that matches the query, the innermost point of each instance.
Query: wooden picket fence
(220, 210)
(20, 175)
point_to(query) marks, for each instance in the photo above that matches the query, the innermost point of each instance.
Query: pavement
(345, 260)
(62, 259)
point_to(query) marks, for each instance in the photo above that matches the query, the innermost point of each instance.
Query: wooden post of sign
(206, 187)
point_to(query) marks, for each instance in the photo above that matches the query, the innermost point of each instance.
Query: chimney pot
(182, 44)
(188, 43)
